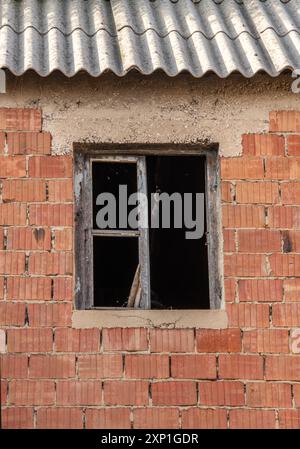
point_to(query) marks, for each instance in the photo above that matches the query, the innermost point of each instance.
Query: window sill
(206, 319)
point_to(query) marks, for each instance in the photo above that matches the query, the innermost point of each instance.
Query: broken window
(146, 231)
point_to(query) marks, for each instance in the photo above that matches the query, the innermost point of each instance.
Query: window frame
(84, 155)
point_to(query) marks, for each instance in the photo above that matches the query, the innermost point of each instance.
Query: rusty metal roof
(198, 36)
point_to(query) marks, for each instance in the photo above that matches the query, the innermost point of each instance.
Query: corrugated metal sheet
(172, 35)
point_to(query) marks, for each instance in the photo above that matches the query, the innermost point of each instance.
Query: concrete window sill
(206, 319)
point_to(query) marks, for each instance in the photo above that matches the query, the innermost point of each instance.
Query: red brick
(296, 389)
(283, 168)
(50, 167)
(45, 263)
(60, 191)
(30, 340)
(238, 168)
(14, 366)
(291, 241)
(18, 418)
(146, 366)
(12, 314)
(263, 145)
(1, 288)
(263, 290)
(125, 339)
(230, 289)
(29, 143)
(12, 119)
(12, 262)
(98, 366)
(78, 393)
(218, 340)
(290, 192)
(262, 394)
(285, 264)
(32, 392)
(286, 315)
(283, 367)
(261, 192)
(277, 168)
(52, 366)
(126, 393)
(59, 418)
(108, 418)
(51, 214)
(193, 366)
(63, 239)
(12, 214)
(266, 340)
(174, 393)
(196, 418)
(4, 385)
(237, 366)
(156, 418)
(172, 340)
(77, 340)
(293, 145)
(289, 419)
(1, 238)
(285, 121)
(63, 289)
(252, 419)
(291, 289)
(229, 240)
(28, 239)
(227, 191)
(12, 166)
(248, 315)
(222, 393)
(2, 142)
(258, 241)
(244, 265)
(26, 288)
(26, 190)
(284, 217)
(243, 216)
(50, 315)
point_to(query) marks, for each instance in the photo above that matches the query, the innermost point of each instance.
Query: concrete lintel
(206, 319)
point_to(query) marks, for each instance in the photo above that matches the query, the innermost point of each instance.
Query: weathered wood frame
(84, 154)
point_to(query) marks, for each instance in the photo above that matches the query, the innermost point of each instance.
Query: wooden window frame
(84, 155)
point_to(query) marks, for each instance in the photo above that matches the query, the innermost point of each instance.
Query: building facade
(233, 364)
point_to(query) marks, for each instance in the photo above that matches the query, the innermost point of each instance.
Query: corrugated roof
(197, 36)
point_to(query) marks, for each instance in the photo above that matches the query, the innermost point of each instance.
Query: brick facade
(245, 376)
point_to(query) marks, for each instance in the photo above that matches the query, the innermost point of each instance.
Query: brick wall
(245, 376)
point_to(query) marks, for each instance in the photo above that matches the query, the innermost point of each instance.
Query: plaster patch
(151, 109)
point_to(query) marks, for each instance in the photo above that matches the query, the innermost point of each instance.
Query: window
(147, 227)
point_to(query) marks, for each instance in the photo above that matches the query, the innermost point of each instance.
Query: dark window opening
(178, 266)
(115, 262)
(107, 177)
